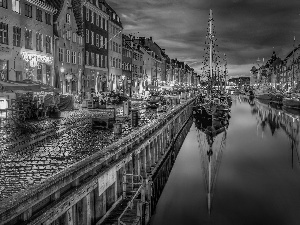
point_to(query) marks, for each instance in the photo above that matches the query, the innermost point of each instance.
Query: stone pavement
(20, 169)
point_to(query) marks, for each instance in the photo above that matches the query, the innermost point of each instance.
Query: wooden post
(124, 184)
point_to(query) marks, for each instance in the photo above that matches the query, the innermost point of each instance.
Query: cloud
(246, 29)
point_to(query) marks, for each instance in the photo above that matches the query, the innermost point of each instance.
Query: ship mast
(210, 51)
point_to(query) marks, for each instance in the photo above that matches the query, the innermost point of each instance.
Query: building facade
(69, 47)
(26, 41)
(115, 49)
(127, 53)
(138, 68)
(96, 47)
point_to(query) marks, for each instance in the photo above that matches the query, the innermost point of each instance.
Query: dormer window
(68, 18)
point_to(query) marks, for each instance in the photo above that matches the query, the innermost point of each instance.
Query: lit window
(92, 17)
(97, 60)
(97, 40)
(74, 57)
(69, 35)
(97, 19)
(28, 39)
(39, 41)
(61, 54)
(17, 36)
(3, 33)
(15, 5)
(74, 37)
(68, 18)
(68, 56)
(79, 58)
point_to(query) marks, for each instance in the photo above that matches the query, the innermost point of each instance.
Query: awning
(151, 86)
(39, 86)
(13, 86)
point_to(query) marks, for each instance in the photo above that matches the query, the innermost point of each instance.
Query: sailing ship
(215, 100)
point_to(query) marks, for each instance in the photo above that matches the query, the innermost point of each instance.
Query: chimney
(163, 50)
(150, 38)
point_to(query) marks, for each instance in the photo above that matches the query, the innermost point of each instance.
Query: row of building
(280, 73)
(79, 47)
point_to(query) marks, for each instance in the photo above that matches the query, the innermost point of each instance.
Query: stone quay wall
(87, 191)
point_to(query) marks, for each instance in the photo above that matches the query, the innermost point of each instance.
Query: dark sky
(246, 29)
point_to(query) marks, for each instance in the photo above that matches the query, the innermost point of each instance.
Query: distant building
(95, 25)
(127, 64)
(115, 49)
(69, 46)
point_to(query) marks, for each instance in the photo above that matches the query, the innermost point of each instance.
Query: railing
(131, 203)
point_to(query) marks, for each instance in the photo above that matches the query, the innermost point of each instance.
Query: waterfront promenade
(45, 167)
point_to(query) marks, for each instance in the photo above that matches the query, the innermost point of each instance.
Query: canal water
(254, 172)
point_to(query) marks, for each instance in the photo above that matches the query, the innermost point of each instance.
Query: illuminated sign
(34, 59)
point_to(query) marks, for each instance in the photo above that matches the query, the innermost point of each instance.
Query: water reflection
(211, 137)
(277, 118)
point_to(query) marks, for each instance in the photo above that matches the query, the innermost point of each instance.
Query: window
(97, 18)
(28, 39)
(17, 36)
(105, 24)
(48, 44)
(105, 62)
(92, 59)
(74, 57)
(101, 61)
(69, 35)
(39, 15)
(79, 40)
(28, 10)
(87, 57)
(92, 17)
(39, 72)
(74, 37)
(15, 6)
(68, 56)
(87, 14)
(61, 54)
(101, 41)
(97, 40)
(114, 62)
(3, 3)
(48, 74)
(48, 18)
(87, 36)
(97, 60)
(101, 22)
(39, 41)
(19, 76)
(114, 46)
(92, 38)
(79, 58)
(105, 43)
(68, 18)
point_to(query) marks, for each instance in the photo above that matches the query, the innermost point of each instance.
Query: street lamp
(123, 79)
(62, 70)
